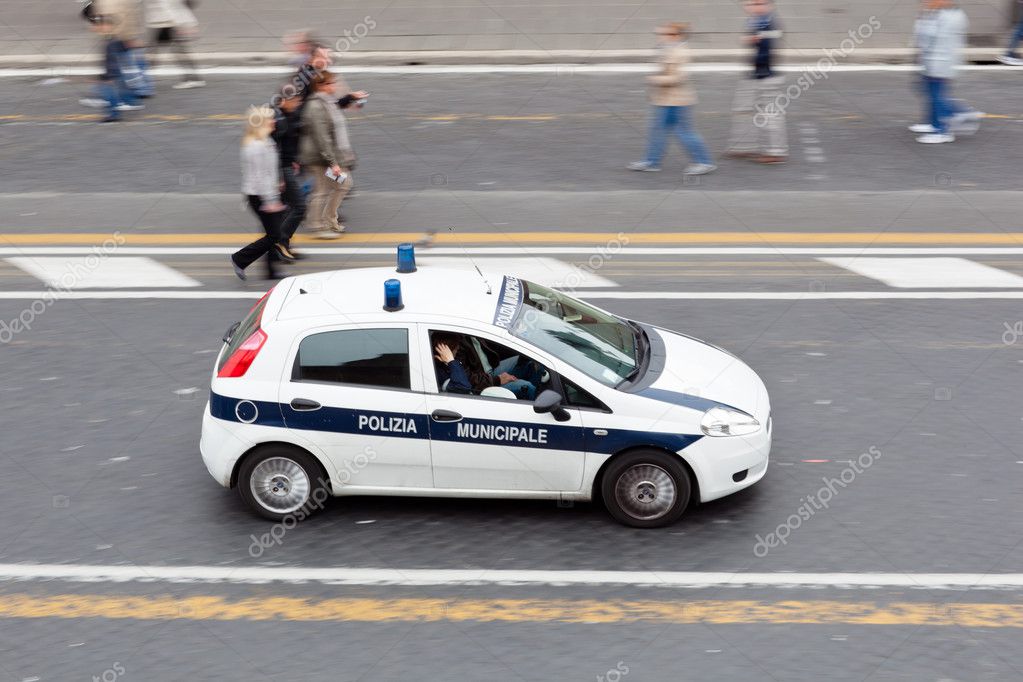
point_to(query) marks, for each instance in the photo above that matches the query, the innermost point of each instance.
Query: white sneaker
(922, 128)
(129, 107)
(1009, 60)
(326, 234)
(188, 85)
(643, 166)
(966, 122)
(699, 169)
(936, 138)
(92, 102)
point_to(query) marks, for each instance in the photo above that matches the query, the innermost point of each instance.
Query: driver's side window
(471, 365)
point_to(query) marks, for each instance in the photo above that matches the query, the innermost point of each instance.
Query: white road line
(449, 577)
(550, 272)
(101, 272)
(536, 250)
(428, 69)
(59, 295)
(803, 295)
(56, 295)
(923, 273)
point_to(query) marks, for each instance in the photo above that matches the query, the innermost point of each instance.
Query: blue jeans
(135, 70)
(528, 376)
(942, 108)
(1015, 40)
(114, 92)
(668, 119)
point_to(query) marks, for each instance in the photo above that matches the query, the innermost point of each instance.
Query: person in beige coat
(173, 25)
(672, 99)
(324, 147)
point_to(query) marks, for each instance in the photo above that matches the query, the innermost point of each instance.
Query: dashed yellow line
(761, 239)
(584, 611)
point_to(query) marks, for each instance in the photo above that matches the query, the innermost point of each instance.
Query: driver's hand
(507, 378)
(443, 354)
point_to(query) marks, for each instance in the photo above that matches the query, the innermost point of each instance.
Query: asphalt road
(561, 131)
(104, 453)
(103, 400)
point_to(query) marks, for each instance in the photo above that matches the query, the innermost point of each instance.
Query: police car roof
(358, 294)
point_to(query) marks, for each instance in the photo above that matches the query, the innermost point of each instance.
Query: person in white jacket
(940, 35)
(173, 25)
(261, 185)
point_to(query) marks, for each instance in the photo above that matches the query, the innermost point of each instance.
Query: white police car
(445, 383)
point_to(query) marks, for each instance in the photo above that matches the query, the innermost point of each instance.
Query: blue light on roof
(406, 258)
(392, 296)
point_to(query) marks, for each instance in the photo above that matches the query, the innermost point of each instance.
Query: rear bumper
(715, 461)
(220, 448)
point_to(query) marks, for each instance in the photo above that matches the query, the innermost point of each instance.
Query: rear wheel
(278, 481)
(646, 488)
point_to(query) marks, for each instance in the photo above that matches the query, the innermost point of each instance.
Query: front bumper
(716, 460)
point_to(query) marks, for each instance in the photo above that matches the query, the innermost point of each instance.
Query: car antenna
(489, 290)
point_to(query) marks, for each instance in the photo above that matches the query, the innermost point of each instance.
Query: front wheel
(279, 481)
(646, 489)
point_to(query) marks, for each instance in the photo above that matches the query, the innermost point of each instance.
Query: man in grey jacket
(940, 38)
(325, 152)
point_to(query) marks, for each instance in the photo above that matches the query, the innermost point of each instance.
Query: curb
(896, 55)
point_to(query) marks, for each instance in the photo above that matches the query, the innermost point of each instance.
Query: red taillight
(240, 360)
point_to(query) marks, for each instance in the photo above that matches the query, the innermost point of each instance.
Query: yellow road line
(585, 611)
(760, 239)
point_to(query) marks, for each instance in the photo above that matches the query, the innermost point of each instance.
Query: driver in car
(460, 367)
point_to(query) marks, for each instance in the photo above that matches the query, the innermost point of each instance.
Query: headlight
(721, 421)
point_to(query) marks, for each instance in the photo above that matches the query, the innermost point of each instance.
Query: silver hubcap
(280, 485)
(645, 491)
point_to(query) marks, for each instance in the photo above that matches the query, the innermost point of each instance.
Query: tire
(278, 481)
(646, 488)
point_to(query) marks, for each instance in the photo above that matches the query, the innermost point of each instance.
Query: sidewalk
(501, 31)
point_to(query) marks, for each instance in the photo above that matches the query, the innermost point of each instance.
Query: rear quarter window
(366, 357)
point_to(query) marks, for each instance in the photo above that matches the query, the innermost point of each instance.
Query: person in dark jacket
(758, 110)
(287, 132)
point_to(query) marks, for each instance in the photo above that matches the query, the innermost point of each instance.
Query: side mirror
(550, 402)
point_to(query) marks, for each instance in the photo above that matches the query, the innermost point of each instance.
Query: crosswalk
(651, 273)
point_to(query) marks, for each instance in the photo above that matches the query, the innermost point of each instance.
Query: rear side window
(367, 357)
(245, 329)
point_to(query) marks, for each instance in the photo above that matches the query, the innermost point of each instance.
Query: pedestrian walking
(287, 134)
(940, 35)
(173, 25)
(758, 118)
(1009, 57)
(672, 98)
(326, 152)
(261, 185)
(111, 92)
(126, 17)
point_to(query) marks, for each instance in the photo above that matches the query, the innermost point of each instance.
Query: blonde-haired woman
(261, 185)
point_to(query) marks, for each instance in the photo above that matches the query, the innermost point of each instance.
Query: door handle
(304, 405)
(445, 416)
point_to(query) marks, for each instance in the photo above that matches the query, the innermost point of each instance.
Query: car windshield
(597, 343)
